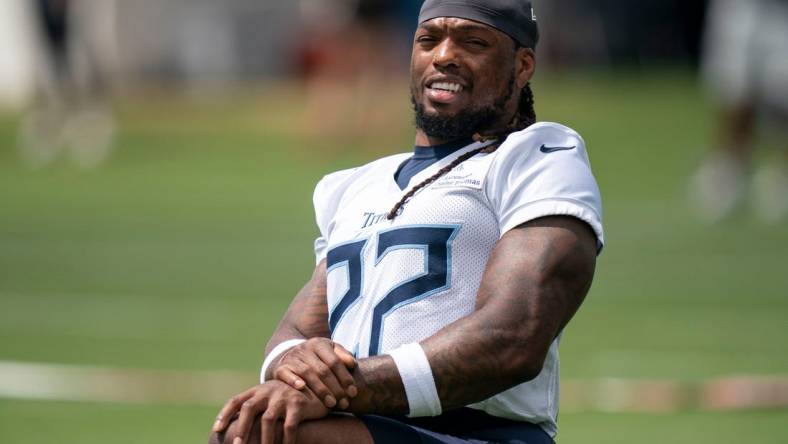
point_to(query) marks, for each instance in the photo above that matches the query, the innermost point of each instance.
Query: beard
(466, 123)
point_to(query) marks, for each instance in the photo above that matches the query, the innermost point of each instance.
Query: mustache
(464, 124)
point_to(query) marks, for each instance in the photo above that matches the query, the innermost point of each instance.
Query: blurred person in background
(71, 111)
(349, 60)
(745, 64)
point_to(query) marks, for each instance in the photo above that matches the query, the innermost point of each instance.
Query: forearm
(380, 388)
(482, 363)
(484, 356)
(523, 302)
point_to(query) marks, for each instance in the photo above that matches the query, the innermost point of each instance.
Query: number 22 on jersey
(434, 240)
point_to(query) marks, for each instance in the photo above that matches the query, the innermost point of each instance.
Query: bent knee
(339, 429)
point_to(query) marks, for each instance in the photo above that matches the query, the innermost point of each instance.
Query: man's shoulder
(545, 143)
(375, 165)
(542, 132)
(333, 185)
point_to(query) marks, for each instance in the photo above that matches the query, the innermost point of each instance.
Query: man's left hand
(322, 366)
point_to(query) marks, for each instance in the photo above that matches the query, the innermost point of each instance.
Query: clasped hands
(308, 381)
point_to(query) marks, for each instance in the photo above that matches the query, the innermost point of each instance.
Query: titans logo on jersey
(397, 282)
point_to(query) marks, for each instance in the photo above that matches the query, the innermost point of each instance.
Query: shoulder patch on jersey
(469, 174)
(459, 180)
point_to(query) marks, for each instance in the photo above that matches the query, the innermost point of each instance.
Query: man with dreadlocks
(445, 276)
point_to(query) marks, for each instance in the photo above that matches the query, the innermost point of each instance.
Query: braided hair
(525, 117)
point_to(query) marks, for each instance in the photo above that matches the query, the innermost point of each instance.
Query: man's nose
(445, 54)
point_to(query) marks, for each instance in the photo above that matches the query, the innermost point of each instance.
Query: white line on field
(40, 381)
(23, 380)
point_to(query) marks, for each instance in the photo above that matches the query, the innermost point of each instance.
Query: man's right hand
(321, 365)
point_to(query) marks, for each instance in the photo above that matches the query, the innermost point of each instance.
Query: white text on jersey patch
(468, 180)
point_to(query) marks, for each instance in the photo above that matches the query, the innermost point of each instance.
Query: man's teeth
(446, 86)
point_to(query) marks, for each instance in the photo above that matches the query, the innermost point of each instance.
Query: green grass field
(184, 250)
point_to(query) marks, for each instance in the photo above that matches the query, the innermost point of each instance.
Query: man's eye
(426, 39)
(477, 42)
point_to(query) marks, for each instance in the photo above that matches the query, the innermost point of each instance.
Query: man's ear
(525, 65)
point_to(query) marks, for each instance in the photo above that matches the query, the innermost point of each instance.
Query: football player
(446, 275)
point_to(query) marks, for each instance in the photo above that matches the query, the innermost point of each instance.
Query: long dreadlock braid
(525, 117)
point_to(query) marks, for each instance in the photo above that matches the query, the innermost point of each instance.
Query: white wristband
(278, 350)
(416, 374)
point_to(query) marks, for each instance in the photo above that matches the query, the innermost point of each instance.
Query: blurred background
(157, 161)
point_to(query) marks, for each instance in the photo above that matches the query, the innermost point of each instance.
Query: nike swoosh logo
(552, 149)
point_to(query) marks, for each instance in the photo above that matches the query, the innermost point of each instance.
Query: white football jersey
(395, 282)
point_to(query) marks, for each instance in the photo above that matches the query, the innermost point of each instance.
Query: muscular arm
(534, 282)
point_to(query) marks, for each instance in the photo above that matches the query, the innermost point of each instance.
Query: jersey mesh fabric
(471, 207)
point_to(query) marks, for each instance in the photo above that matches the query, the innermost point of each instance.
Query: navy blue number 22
(434, 240)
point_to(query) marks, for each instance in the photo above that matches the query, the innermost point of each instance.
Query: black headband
(513, 17)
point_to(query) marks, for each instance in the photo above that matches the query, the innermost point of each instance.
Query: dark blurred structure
(619, 32)
(653, 30)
